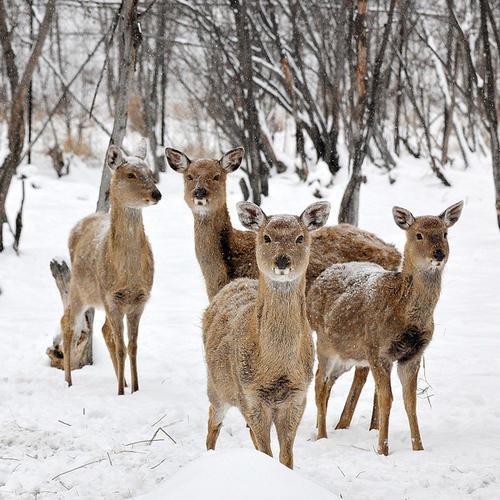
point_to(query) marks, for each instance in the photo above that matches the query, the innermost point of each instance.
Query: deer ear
(251, 216)
(177, 160)
(452, 214)
(231, 160)
(316, 215)
(403, 218)
(114, 157)
(141, 149)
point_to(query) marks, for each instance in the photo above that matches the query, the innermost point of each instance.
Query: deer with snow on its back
(226, 253)
(366, 316)
(112, 262)
(258, 343)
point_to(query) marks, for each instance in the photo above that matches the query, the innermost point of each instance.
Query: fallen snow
(48, 429)
(242, 474)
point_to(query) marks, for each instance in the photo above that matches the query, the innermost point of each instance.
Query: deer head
(427, 236)
(132, 182)
(283, 241)
(205, 180)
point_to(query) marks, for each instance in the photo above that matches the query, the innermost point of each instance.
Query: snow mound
(239, 473)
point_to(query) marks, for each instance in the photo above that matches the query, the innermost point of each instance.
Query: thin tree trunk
(129, 40)
(19, 92)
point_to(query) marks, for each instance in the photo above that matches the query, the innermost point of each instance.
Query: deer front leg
(408, 373)
(358, 382)
(107, 333)
(259, 419)
(382, 374)
(133, 319)
(287, 421)
(115, 319)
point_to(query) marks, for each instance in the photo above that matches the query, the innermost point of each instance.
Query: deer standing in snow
(258, 343)
(225, 253)
(367, 316)
(112, 263)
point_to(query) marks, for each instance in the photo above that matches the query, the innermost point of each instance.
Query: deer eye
(216, 177)
(131, 176)
(445, 236)
(419, 236)
(267, 239)
(300, 239)
(190, 177)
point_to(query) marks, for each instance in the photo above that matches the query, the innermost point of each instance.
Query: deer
(112, 263)
(258, 344)
(365, 315)
(225, 253)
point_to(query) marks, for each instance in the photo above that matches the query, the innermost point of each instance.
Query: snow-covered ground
(46, 429)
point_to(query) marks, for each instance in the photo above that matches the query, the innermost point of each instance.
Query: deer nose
(282, 262)
(156, 195)
(200, 193)
(438, 254)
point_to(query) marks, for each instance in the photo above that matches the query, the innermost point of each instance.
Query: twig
(8, 458)
(159, 420)
(144, 441)
(109, 458)
(76, 468)
(341, 470)
(359, 474)
(164, 432)
(158, 464)
(65, 423)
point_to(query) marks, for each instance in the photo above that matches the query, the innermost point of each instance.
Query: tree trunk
(19, 92)
(249, 109)
(81, 348)
(490, 105)
(129, 40)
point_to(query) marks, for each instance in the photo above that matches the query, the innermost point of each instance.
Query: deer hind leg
(374, 421)
(329, 370)
(216, 413)
(358, 382)
(115, 319)
(133, 319)
(259, 419)
(71, 317)
(287, 421)
(408, 373)
(382, 374)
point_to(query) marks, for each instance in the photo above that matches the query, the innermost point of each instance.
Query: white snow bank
(240, 473)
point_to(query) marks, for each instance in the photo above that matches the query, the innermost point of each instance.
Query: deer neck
(420, 291)
(281, 318)
(126, 233)
(212, 233)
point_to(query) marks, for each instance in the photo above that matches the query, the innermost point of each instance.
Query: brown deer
(225, 253)
(258, 343)
(112, 263)
(367, 316)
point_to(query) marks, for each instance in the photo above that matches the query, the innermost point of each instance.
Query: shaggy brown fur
(258, 343)
(364, 315)
(112, 263)
(225, 253)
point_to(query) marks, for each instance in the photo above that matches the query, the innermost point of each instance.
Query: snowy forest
(366, 104)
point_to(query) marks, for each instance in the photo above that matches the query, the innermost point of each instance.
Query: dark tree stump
(81, 346)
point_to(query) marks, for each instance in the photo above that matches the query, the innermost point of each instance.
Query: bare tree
(19, 87)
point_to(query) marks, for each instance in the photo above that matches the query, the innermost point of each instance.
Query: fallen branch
(79, 467)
